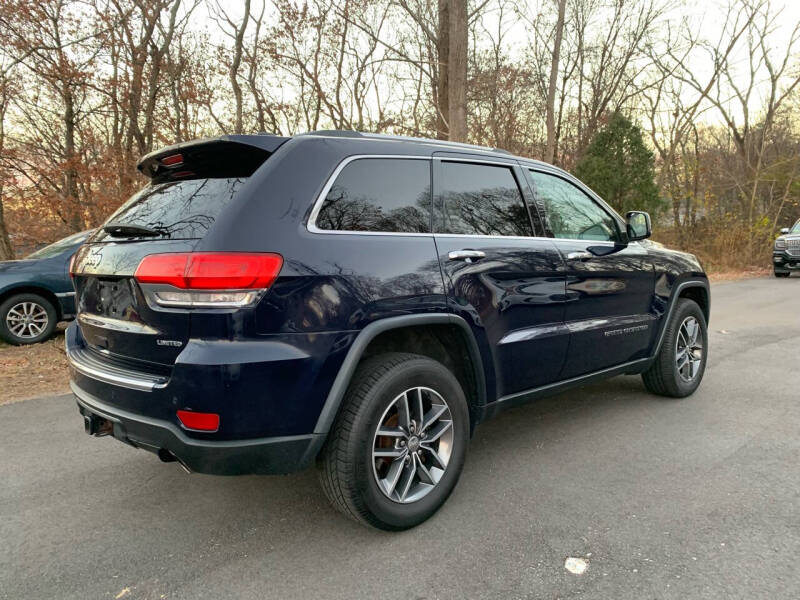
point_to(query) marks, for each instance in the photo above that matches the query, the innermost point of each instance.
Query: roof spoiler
(223, 156)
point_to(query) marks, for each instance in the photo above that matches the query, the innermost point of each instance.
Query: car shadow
(110, 506)
(295, 502)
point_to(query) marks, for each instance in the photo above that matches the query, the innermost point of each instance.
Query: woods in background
(88, 86)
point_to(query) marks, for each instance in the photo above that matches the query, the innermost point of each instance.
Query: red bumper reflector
(199, 421)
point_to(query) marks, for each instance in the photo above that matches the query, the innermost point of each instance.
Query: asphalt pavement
(661, 498)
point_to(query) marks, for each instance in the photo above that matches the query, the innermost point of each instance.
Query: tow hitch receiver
(97, 426)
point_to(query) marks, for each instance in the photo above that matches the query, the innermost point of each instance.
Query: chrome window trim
(494, 161)
(318, 231)
(311, 225)
(481, 236)
(511, 162)
(526, 237)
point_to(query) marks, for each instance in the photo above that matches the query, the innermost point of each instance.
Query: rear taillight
(207, 279)
(72, 266)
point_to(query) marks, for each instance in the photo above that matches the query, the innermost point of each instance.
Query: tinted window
(178, 209)
(570, 212)
(482, 200)
(379, 194)
(56, 248)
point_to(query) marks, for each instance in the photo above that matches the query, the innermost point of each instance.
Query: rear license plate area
(112, 298)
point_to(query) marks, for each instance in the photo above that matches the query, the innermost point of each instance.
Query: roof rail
(446, 143)
(346, 133)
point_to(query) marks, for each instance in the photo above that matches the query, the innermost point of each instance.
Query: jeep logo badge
(92, 259)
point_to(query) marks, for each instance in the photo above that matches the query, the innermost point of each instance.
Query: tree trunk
(70, 171)
(442, 91)
(457, 71)
(234, 70)
(6, 250)
(549, 154)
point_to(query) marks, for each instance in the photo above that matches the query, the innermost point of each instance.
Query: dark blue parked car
(364, 302)
(36, 292)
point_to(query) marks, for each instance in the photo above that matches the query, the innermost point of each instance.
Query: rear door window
(480, 199)
(381, 195)
(177, 209)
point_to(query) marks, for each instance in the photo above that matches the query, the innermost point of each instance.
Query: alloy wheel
(412, 445)
(27, 320)
(688, 349)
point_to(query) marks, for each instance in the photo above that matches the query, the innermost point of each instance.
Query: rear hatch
(191, 184)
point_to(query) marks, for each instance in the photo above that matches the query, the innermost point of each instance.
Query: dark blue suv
(363, 302)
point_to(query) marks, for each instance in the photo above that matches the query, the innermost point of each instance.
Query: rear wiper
(125, 230)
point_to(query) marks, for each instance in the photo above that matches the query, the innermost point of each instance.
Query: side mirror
(784, 231)
(638, 225)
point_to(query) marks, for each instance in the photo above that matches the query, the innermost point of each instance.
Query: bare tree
(6, 89)
(97, 83)
(671, 111)
(550, 150)
(771, 72)
(236, 30)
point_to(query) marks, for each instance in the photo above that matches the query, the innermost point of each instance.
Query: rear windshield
(176, 209)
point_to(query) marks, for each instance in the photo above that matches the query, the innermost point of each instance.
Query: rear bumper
(227, 457)
(273, 387)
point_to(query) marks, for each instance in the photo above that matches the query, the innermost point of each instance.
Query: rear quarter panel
(330, 287)
(329, 281)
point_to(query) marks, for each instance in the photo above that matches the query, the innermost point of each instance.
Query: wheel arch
(698, 293)
(424, 334)
(33, 289)
(693, 289)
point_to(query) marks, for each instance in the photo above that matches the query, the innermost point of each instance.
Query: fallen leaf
(576, 566)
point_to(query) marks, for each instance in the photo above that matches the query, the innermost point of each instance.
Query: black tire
(42, 304)
(782, 273)
(346, 464)
(662, 377)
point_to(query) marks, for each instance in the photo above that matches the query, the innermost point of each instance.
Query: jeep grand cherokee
(363, 302)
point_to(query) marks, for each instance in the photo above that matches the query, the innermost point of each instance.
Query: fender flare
(702, 283)
(336, 394)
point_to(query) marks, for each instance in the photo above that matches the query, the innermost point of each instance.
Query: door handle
(580, 255)
(466, 255)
